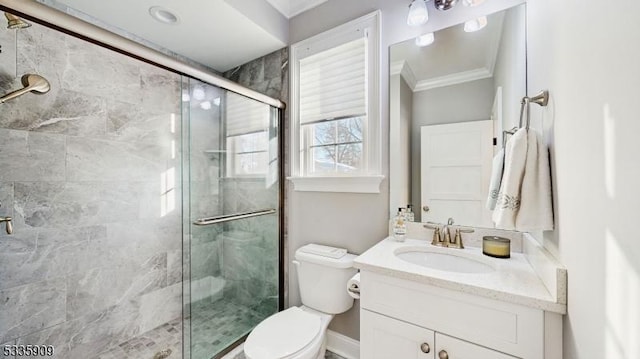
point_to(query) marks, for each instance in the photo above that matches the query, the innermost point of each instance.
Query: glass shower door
(232, 223)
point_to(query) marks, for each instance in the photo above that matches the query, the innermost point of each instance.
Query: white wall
(587, 54)
(510, 71)
(358, 221)
(468, 101)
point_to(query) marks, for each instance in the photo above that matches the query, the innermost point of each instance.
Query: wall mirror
(449, 104)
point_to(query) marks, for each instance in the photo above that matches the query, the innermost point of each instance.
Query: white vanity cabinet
(384, 338)
(398, 317)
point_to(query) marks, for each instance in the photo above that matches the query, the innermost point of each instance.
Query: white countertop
(514, 279)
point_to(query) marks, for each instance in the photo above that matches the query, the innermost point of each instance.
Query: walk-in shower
(145, 196)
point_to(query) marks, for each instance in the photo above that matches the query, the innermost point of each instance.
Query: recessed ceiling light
(163, 15)
(205, 105)
(199, 93)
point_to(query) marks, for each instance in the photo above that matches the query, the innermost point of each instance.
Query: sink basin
(447, 262)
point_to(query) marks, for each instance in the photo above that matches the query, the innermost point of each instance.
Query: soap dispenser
(399, 226)
(409, 214)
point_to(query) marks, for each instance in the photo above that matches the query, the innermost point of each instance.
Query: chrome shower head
(32, 83)
(14, 22)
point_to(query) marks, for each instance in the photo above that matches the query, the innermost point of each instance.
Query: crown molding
(453, 79)
(396, 67)
(403, 69)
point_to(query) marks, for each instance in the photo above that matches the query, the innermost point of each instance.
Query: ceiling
(220, 34)
(291, 8)
(428, 67)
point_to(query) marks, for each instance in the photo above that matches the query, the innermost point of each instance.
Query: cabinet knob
(443, 354)
(425, 348)
(426, 208)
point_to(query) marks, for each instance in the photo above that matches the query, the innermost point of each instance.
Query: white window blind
(333, 83)
(245, 115)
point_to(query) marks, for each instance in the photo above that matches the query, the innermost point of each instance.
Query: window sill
(356, 184)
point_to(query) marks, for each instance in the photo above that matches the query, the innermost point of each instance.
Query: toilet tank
(323, 281)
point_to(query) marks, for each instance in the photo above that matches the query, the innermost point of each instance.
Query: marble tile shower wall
(95, 257)
(252, 274)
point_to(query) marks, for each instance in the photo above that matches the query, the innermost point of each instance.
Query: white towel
(496, 178)
(524, 200)
(536, 211)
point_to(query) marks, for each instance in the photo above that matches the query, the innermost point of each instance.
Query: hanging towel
(536, 211)
(508, 202)
(524, 200)
(496, 178)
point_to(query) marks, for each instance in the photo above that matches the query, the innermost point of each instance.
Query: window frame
(368, 179)
(307, 139)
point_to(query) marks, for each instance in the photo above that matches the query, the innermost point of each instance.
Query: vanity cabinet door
(384, 338)
(452, 348)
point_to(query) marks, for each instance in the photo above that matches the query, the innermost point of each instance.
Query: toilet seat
(290, 333)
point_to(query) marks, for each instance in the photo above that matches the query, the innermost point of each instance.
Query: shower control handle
(8, 220)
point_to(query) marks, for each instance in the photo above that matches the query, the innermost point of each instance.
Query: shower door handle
(232, 217)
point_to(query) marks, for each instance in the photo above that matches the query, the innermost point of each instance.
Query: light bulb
(418, 14)
(425, 40)
(198, 93)
(216, 101)
(185, 96)
(205, 105)
(476, 24)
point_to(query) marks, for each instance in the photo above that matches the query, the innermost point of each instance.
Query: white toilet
(299, 332)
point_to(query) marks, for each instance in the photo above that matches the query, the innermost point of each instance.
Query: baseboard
(343, 345)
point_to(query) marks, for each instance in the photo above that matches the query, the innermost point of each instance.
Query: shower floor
(214, 326)
(146, 345)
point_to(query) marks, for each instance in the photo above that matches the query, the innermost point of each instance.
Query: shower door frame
(75, 27)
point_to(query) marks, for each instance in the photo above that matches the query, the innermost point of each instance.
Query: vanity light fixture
(444, 5)
(425, 40)
(163, 15)
(418, 14)
(475, 24)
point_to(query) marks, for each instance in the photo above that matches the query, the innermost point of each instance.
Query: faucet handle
(457, 241)
(437, 239)
(9, 225)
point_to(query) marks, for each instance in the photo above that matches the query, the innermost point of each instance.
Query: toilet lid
(282, 334)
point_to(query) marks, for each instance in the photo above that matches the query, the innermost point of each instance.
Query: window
(248, 154)
(335, 146)
(247, 135)
(335, 131)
